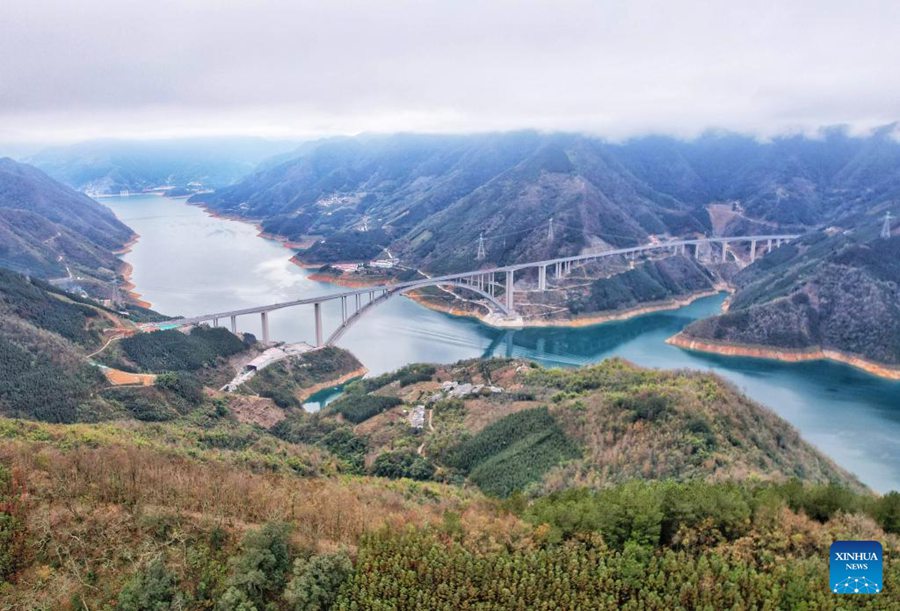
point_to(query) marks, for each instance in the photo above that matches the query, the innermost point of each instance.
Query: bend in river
(187, 262)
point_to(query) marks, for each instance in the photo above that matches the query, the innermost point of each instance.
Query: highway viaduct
(496, 284)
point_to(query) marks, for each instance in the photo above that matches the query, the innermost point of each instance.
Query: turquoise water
(187, 262)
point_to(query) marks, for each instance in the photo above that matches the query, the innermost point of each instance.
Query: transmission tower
(481, 255)
(550, 231)
(886, 228)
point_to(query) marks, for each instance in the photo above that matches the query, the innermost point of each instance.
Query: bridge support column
(558, 273)
(752, 251)
(542, 278)
(234, 324)
(724, 252)
(344, 308)
(215, 322)
(509, 292)
(357, 302)
(769, 246)
(265, 326)
(317, 308)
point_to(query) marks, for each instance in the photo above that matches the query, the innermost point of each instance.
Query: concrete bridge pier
(265, 326)
(317, 308)
(509, 291)
(234, 324)
(542, 278)
(344, 309)
(752, 251)
(215, 322)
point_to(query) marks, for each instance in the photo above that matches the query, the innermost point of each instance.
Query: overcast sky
(72, 70)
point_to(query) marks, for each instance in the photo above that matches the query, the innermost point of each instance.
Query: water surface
(188, 262)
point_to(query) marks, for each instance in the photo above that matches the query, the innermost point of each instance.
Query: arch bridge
(495, 285)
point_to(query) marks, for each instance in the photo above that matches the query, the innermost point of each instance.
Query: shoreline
(350, 283)
(305, 393)
(586, 321)
(126, 270)
(790, 356)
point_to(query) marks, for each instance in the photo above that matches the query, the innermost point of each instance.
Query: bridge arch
(339, 332)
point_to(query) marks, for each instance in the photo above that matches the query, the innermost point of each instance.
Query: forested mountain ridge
(833, 290)
(46, 227)
(428, 198)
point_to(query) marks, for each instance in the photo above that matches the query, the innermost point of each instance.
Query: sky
(72, 71)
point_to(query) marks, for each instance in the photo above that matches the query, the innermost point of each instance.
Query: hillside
(523, 427)
(203, 511)
(107, 167)
(50, 231)
(47, 337)
(836, 290)
(428, 198)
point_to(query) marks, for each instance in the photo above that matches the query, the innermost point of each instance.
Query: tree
(259, 571)
(151, 590)
(887, 512)
(316, 582)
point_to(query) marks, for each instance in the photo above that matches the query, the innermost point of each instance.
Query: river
(187, 262)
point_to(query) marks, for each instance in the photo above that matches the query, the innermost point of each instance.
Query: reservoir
(187, 262)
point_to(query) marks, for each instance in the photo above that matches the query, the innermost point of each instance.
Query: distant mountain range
(49, 230)
(105, 167)
(428, 198)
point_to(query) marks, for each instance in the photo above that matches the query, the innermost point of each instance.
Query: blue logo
(856, 567)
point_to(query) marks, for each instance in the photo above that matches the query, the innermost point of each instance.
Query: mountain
(834, 290)
(428, 198)
(632, 489)
(54, 347)
(51, 231)
(110, 166)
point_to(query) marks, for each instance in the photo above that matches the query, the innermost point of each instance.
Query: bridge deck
(412, 284)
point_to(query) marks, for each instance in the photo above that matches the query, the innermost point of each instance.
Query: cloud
(73, 70)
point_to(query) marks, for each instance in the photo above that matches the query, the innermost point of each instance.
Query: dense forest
(172, 350)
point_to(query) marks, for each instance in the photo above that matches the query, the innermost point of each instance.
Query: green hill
(49, 230)
(829, 290)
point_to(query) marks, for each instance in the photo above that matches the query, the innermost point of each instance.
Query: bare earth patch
(255, 410)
